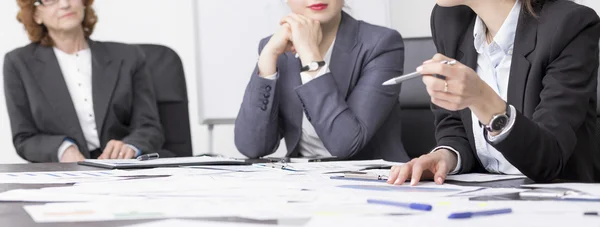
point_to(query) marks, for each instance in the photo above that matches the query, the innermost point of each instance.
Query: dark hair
(529, 5)
(39, 33)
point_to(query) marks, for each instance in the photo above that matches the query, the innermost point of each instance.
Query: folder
(161, 162)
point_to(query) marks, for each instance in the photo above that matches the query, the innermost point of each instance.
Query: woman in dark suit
(71, 98)
(521, 99)
(327, 100)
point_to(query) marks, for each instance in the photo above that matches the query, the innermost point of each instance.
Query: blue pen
(414, 206)
(479, 213)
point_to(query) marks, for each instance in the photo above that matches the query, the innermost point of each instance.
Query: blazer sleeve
(257, 131)
(449, 128)
(347, 125)
(31, 144)
(541, 146)
(146, 131)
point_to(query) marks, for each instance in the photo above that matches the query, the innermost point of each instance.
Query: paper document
(193, 223)
(40, 195)
(62, 177)
(480, 177)
(161, 162)
(590, 189)
(337, 166)
(469, 177)
(111, 211)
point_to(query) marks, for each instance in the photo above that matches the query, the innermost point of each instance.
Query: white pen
(400, 79)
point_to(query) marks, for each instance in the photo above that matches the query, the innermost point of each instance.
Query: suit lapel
(105, 74)
(345, 54)
(46, 69)
(525, 40)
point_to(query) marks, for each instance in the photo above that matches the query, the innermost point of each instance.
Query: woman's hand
(279, 43)
(116, 149)
(434, 165)
(306, 37)
(461, 89)
(72, 154)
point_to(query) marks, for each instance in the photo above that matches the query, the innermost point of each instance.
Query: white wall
(411, 17)
(170, 23)
(11, 36)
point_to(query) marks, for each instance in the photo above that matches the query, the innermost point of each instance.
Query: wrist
(310, 56)
(488, 105)
(450, 157)
(267, 64)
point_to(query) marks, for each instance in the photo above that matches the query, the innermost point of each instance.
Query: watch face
(499, 123)
(313, 66)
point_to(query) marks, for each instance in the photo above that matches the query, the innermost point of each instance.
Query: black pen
(146, 157)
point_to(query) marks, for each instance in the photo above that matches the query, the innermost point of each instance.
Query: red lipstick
(318, 6)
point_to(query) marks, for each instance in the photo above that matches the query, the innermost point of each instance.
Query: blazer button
(266, 95)
(266, 101)
(268, 88)
(263, 108)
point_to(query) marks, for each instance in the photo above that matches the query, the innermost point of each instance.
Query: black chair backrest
(168, 76)
(418, 129)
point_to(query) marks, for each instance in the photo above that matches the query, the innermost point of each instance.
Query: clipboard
(161, 162)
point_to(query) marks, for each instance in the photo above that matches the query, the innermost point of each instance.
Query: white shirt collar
(505, 38)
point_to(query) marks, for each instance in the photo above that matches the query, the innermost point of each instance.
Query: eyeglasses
(45, 2)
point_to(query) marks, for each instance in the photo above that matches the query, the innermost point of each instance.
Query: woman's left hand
(306, 37)
(462, 88)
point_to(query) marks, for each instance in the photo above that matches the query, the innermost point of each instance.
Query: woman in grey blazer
(318, 85)
(71, 98)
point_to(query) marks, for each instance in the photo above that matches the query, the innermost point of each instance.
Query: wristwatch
(313, 66)
(498, 122)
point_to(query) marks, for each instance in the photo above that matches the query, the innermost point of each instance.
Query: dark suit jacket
(41, 110)
(552, 85)
(352, 113)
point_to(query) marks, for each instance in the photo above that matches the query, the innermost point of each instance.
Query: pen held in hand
(400, 79)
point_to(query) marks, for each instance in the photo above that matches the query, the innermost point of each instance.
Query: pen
(360, 175)
(479, 213)
(375, 167)
(400, 79)
(146, 157)
(414, 206)
(591, 213)
(276, 166)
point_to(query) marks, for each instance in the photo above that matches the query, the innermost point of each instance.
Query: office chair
(418, 129)
(168, 77)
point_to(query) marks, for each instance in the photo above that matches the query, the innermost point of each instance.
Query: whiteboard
(227, 47)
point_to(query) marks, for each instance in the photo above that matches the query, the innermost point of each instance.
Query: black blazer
(552, 85)
(352, 113)
(41, 110)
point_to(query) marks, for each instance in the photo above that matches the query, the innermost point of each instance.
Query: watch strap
(307, 67)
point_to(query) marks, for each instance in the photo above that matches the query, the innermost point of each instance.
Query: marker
(414, 206)
(464, 215)
(146, 157)
(400, 79)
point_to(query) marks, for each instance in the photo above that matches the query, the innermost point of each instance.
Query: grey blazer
(353, 114)
(41, 110)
